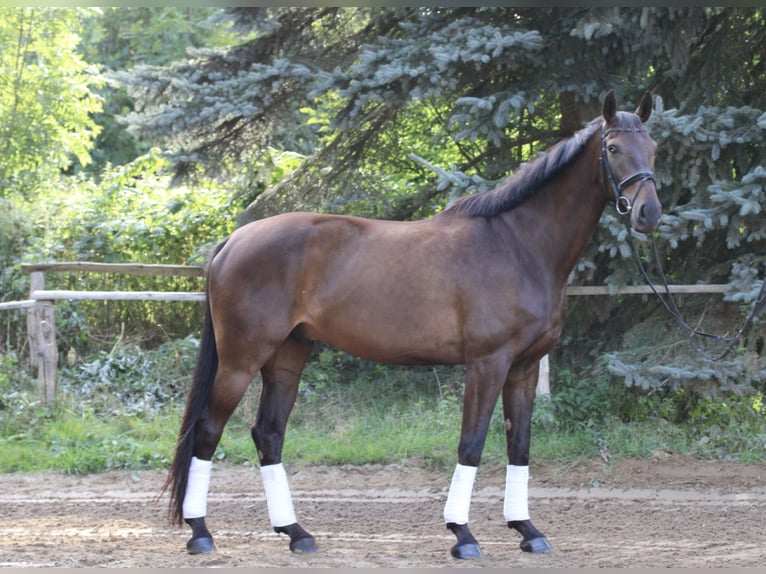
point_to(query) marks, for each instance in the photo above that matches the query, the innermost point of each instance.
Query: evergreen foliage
(116, 38)
(449, 100)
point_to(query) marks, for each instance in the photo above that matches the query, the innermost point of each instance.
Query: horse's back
(344, 280)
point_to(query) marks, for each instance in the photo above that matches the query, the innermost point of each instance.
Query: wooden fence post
(41, 330)
(543, 379)
(36, 282)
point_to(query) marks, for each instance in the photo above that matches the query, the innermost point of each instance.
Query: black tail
(196, 403)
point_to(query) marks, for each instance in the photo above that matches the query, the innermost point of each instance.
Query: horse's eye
(612, 149)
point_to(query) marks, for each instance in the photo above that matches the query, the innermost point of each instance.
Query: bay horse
(482, 283)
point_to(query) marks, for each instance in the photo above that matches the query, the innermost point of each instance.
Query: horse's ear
(644, 110)
(609, 110)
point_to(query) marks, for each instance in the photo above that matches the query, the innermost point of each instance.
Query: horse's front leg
(484, 379)
(518, 401)
(281, 376)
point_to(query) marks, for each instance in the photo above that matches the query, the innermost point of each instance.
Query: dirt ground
(670, 511)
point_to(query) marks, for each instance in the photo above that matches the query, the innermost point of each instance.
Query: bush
(133, 380)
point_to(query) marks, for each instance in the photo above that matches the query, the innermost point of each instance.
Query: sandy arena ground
(670, 511)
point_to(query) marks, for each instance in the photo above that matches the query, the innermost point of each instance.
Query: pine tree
(397, 110)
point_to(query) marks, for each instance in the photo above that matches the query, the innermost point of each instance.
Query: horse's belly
(398, 354)
(388, 339)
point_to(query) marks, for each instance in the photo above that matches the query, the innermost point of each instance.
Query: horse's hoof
(305, 545)
(467, 548)
(537, 545)
(300, 541)
(466, 551)
(202, 545)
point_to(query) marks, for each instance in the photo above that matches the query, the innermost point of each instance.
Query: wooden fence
(41, 316)
(41, 306)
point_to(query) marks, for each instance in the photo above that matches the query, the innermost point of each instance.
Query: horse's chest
(522, 317)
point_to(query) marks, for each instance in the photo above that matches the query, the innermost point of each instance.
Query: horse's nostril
(648, 216)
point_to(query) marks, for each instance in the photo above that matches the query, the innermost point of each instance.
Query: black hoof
(466, 551)
(300, 541)
(304, 545)
(467, 548)
(203, 545)
(537, 545)
(532, 539)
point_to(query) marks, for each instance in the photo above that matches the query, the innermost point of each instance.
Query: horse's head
(627, 158)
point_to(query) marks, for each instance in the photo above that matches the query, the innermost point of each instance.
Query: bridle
(624, 206)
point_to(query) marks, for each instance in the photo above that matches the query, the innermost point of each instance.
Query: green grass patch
(84, 442)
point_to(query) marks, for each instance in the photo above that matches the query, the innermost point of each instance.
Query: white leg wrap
(278, 499)
(515, 506)
(195, 500)
(459, 497)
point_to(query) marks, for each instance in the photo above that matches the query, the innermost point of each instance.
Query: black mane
(527, 180)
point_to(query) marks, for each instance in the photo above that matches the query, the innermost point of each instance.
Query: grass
(83, 442)
(346, 416)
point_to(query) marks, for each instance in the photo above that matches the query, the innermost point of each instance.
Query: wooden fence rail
(41, 305)
(121, 268)
(9, 305)
(59, 295)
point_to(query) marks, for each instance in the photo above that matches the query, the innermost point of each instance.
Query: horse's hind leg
(518, 401)
(281, 376)
(229, 387)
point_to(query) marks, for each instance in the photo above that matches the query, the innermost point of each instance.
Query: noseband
(622, 204)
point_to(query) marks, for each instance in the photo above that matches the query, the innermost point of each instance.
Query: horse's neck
(559, 221)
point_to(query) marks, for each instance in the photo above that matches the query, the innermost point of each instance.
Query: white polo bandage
(459, 497)
(195, 499)
(515, 506)
(278, 499)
